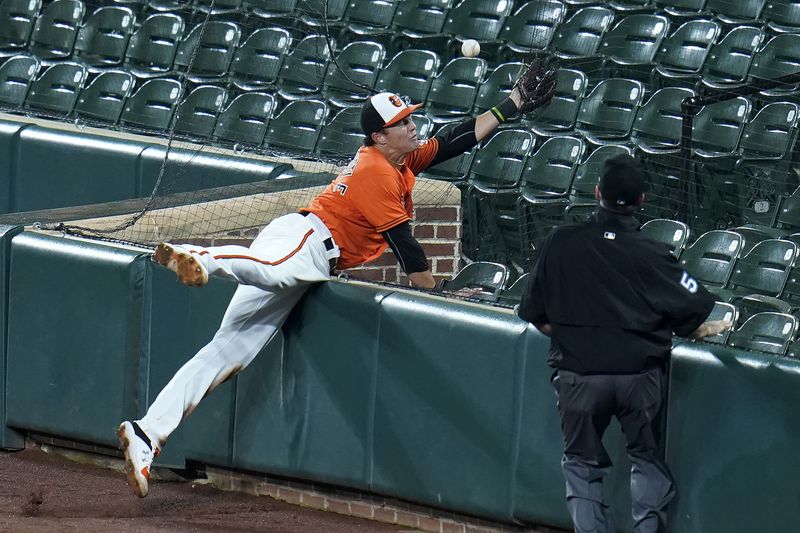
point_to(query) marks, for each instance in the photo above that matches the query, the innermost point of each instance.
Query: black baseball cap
(382, 110)
(623, 181)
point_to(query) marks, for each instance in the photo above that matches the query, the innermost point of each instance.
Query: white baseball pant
(288, 255)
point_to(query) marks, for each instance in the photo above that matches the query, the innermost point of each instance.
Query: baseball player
(366, 209)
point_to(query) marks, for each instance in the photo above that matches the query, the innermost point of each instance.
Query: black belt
(327, 242)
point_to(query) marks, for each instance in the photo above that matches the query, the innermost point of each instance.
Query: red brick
(338, 506)
(427, 523)
(385, 514)
(387, 259)
(449, 231)
(363, 510)
(452, 527)
(368, 274)
(289, 495)
(424, 231)
(444, 266)
(428, 214)
(439, 250)
(315, 501)
(407, 519)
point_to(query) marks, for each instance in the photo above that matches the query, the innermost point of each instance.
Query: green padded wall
(9, 439)
(9, 144)
(74, 336)
(732, 441)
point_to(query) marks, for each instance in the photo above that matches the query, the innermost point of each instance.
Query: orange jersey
(371, 195)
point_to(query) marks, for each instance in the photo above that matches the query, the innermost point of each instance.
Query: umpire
(610, 299)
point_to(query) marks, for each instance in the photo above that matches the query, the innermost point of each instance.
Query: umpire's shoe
(139, 456)
(189, 270)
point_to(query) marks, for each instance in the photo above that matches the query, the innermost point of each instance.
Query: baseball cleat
(138, 456)
(189, 270)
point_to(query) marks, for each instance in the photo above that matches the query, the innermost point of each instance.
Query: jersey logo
(342, 188)
(688, 282)
(610, 235)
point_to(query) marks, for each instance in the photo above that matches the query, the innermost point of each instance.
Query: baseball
(470, 48)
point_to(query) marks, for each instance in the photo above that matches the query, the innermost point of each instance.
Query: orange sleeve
(419, 159)
(380, 200)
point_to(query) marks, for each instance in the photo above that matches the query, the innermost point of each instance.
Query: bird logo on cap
(395, 100)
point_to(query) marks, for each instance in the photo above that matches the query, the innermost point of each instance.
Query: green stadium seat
(513, 294)
(752, 304)
(418, 18)
(424, 126)
(454, 169)
(608, 113)
(270, 9)
(342, 135)
(753, 234)
(765, 332)
(246, 118)
(16, 74)
(712, 256)
(722, 311)
(488, 277)
(54, 34)
(152, 105)
(779, 57)
(257, 62)
(19, 17)
(771, 133)
(717, 128)
(548, 172)
(214, 50)
(197, 115)
(151, 49)
(659, 122)
(729, 60)
(682, 8)
(738, 12)
(319, 13)
(497, 86)
(580, 36)
(352, 76)
(218, 7)
(297, 126)
(481, 20)
(673, 233)
(683, 53)
(788, 217)
(57, 89)
(410, 73)
(623, 6)
(453, 91)
(303, 69)
(532, 26)
(634, 40)
(104, 97)
(102, 41)
(366, 17)
(764, 270)
(562, 111)
(500, 161)
(782, 16)
(166, 5)
(588, 174)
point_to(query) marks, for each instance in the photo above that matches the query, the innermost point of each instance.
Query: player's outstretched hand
(537, 81)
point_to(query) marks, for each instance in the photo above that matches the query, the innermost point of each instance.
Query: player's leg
(585, 406)
(639, 398)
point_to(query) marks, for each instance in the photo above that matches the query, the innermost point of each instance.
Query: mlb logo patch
(610, 235)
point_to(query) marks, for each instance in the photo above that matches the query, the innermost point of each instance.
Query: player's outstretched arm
(423, 280)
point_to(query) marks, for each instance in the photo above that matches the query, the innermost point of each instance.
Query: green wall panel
(9, 146)
(9, 439)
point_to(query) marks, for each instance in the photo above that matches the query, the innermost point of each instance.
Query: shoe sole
(130, 470)
(185, 265)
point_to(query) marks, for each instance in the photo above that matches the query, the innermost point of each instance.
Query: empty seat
(712, 256)
(481, 20)
(453, 91)
(764, 270)
(499, 162)
(208, 55)
(682, 8)
(351, 77)
(659, 122)
(717, 127)
(779, 57)
(671, 232)
(782, 16)
(415, 18)
(197, 114)
(486, 277)
(497, 86)
(151, 50)
(152, 105)
(56, 28)
(765, 332)
(513, 294)
(754, 234)
(410, 73)
(303, 69)
(366, 17)
(629, 5)
(218, 7)
(454, 169)
(549, 171)
(423, 124)
(532, 26)
(729, 60)
(721, 311)
(752, 304)
(321, 13)
(771, 133)
(16, 74)
(104, 97)
(269, 9)
(102, 41)
(257, 62)
(635, 39)
(19, 17)
(684, 52)
(739, 11)
(57, 88)
(607, 114)
(297, 126)
(562, 111)
(588, 174)
(580, 35)
(246, 118)
(342, 135)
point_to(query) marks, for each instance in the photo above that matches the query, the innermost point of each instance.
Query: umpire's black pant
(586, 404)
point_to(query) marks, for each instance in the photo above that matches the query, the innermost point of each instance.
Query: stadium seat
(634, 40)
(764, 270)
(321, 13)
(454, 169)
(151, 50)
(499, 162)
(197, 114)
(410, 73)
(270, 9)
(549, 171)
(753, 234)
(481, 20)
(788, 217)
(246, 118)
(104, 97)
(712, 256)
(782, 16)
(779, 57)
(659, 122)
(608, 113)
(423, 124)
(738, 12)
(717, 127)
(54, 34)
(342, 135)
(771, 133)
(588, 174)
(682, 8)
(513, 294)
(218, 7)
(102, 41)
(19, 17)
(152, 105)
(488, 277)
(165, 5)
(297, 126)
(722, 311)
(365, 18)
(303, 69)
(560, 114)
(57, 88)
(257, 62)
(497, 86)
(580, 36)
(765, 332)
(214, 50)
(16, 74)
(683, 53)
(532, 26)
(352, 76)
(673, 233)
(752, 304)
(453, 91)
(729, 60)
(419, 18)
(623, 6)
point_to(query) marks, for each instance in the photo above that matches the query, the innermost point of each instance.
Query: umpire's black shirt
(613, 297)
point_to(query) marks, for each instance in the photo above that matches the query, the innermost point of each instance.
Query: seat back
(343, 134)
(581, 34)
(497, 86)
(712, 256)
(56, 28)
(659, 122)
(454, 169)
(765, 268)
(685, 51)
(771, 133)
(373, 13)
(425, 17)
(533, 25)
(717, 127)
(197, 114)
(588, 172)
(722, 311)
(560, 114)
(270, 9)
(102, 41)
(303, 69)
(779, 57)
(635, 39)
(485, 275)
(19, 17)
(410, 73)
(671, 232)
(104, 98)
(740, 10)
(297, 126)
(151, 49)
(16, 75)
(681, 8)
(729, 60)
(246, 118)
(499, 163)
(153, 104)
(350, 79)
(218, 7)
(481, 20)
(513, 294)
(765, 332)
(257, 63)
(209, 55)
(549, 171)
(57, 88)
(782, 16)
(454, 90)
(610, 109)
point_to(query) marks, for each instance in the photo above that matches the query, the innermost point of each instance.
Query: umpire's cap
(623, 181)
(382, 110)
